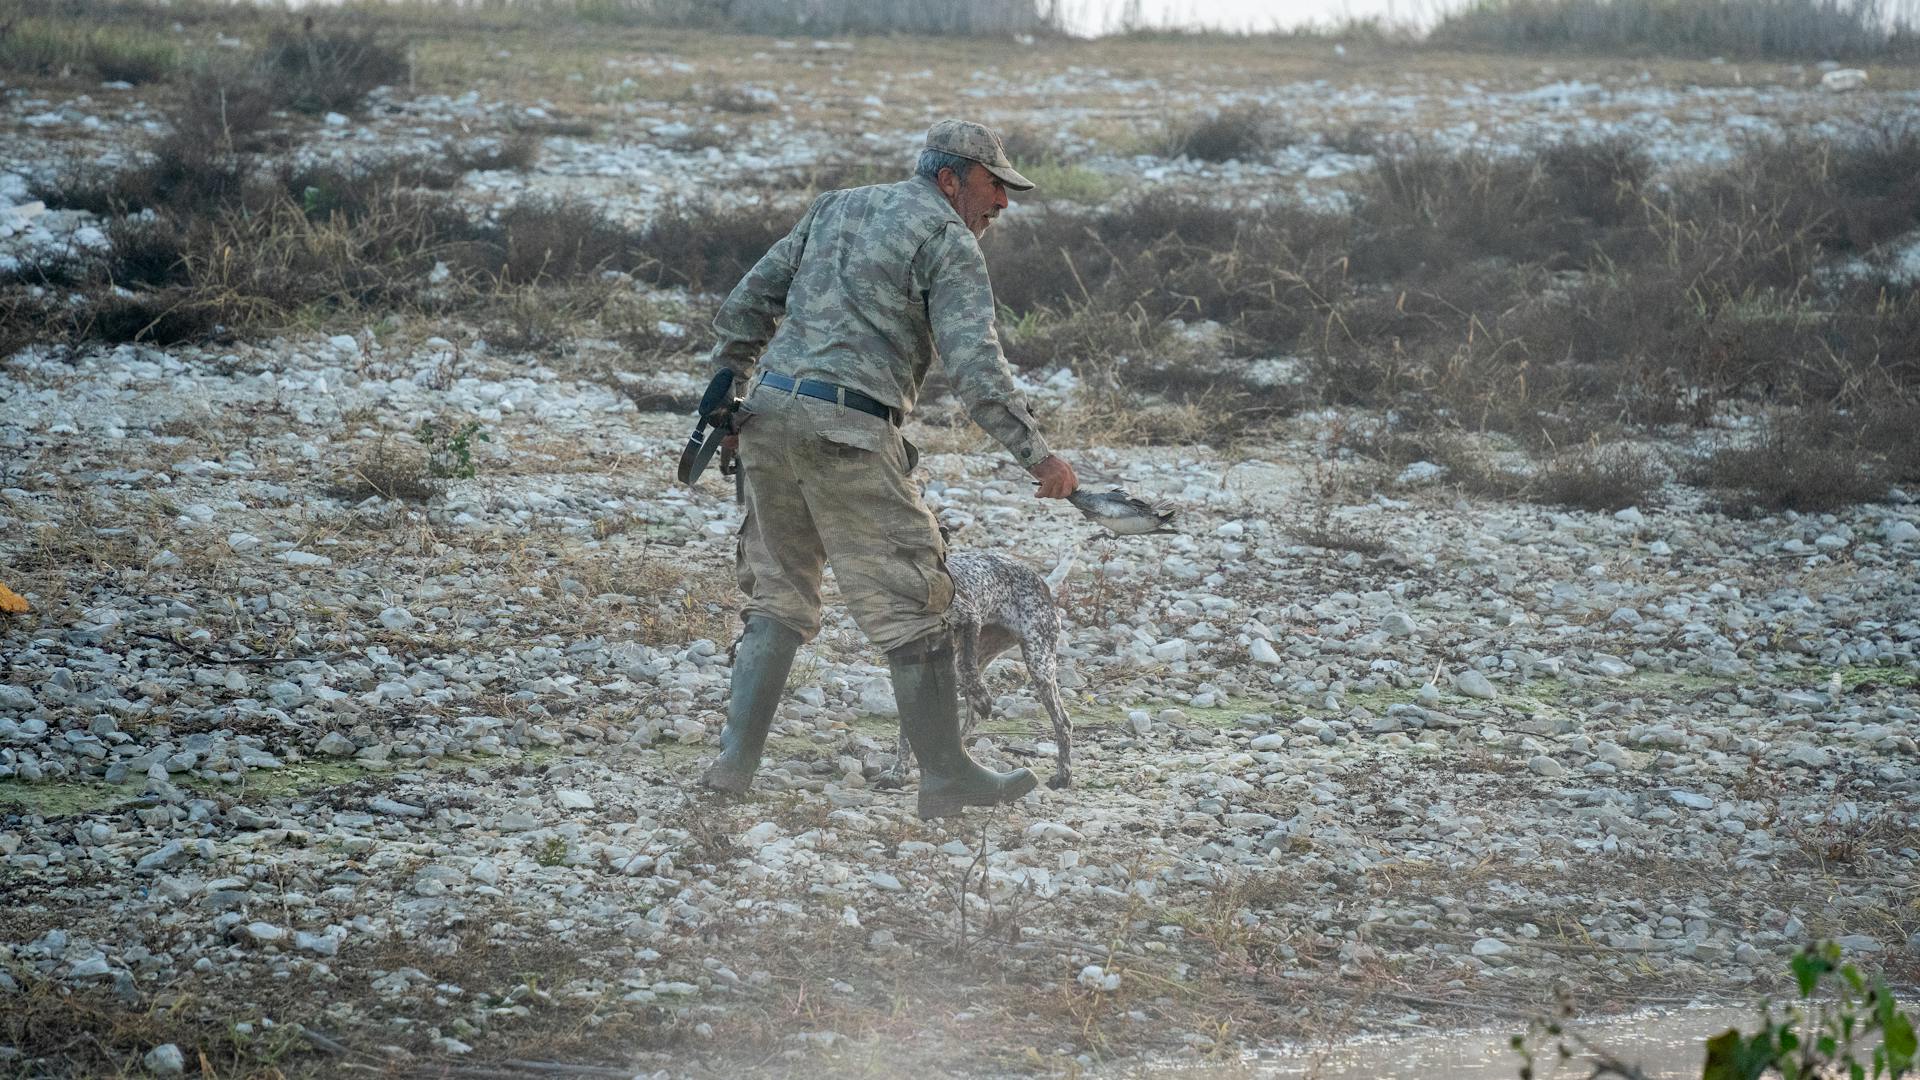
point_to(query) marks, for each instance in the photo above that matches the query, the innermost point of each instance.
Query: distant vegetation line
(1853, 30)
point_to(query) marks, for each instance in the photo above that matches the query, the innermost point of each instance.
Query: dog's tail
(1064, 568)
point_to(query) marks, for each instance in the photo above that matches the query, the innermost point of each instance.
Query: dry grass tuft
(1236, 133)
(329, 68)
(1807, 462)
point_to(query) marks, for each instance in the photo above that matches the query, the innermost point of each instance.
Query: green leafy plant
(450, 447)
(1823, 1038)
(1829, 1039)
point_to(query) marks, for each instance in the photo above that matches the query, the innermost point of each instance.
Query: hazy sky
(1095, 15)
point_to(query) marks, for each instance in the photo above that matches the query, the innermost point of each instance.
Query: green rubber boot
(760, 665)
(927, 689)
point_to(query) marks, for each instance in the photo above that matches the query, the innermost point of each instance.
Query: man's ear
(948, 182)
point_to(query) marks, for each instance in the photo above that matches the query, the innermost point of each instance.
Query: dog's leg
(896, 777)
(1037, 648)
(972, 683)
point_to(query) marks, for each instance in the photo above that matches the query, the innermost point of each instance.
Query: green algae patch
(301, 778)
(1890, 675)
(64, 798)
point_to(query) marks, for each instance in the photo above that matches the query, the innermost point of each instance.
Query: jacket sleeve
(752, 311)
(960, 311)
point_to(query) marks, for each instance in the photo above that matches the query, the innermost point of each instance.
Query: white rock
(1899, 531)
(1843, 80)
(573, 800)
(1543, 765)
(1050, 830)
(304, 558)
(397, 618)
(876, 698)
(1399, 624)
(1170, 651)
(1691, 800)
(1270, 741)
(263, 933)
(1810, 756)
(1263, 652)
(1473, 684)
(759, 835)
(165, 1060)
(1487, 946)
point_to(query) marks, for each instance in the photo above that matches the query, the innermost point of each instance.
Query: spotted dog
(1000, 602)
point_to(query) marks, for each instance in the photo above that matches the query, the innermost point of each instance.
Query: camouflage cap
(976, 142)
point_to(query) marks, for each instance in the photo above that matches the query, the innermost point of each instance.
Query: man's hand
(1056, 478)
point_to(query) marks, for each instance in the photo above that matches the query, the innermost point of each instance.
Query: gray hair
(932, 161)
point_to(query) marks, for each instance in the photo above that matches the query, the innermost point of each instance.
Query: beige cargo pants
(827, 485)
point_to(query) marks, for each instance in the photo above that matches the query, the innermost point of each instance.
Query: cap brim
(1010, 177)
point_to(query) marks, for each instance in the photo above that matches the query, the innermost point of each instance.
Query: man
(851, 307)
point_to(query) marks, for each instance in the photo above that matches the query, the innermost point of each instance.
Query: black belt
(826, 391)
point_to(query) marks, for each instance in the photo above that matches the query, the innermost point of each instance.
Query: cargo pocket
(923, 564)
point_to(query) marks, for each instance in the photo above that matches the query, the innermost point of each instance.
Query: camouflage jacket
(870, 285)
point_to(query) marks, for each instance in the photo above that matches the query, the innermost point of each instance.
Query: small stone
(162, 857)
(1263, 652)
(334, 744)
(317, 944)
(1399, 624)
(92, 967)
(876, 698)
(385, 805)
(165, 1060)
(1810, 756)
(1487, 946)
(397, 618)
(1473, 684)
(1170, 651)
(1543, 765)
(263, 933)
(306, 559)
(1897, 531)
(1691, 800)
(573, 800)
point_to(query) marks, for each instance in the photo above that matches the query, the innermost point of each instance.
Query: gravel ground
(280, 755)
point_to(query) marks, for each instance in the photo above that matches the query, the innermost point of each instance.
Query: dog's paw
(1059, 781)
(890, 781)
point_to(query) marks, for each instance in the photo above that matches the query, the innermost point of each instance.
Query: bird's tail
(1064, 568)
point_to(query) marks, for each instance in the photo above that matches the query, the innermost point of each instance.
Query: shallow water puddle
(1666, 1044)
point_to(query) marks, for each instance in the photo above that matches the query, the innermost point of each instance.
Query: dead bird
(1122, 514)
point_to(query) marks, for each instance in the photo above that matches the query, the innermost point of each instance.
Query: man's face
(978, 197)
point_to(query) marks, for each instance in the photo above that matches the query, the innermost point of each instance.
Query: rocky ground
(296, 773)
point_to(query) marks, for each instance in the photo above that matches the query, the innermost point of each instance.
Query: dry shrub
(559, 240)
(705, 247)
(317, 70)
(391, 473)
(1425, 211)
(516, 153)
(1597, 477)
(1236, 133)
(1080, 335)
(1809, 462)
(734, 100)
(1780, 29)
